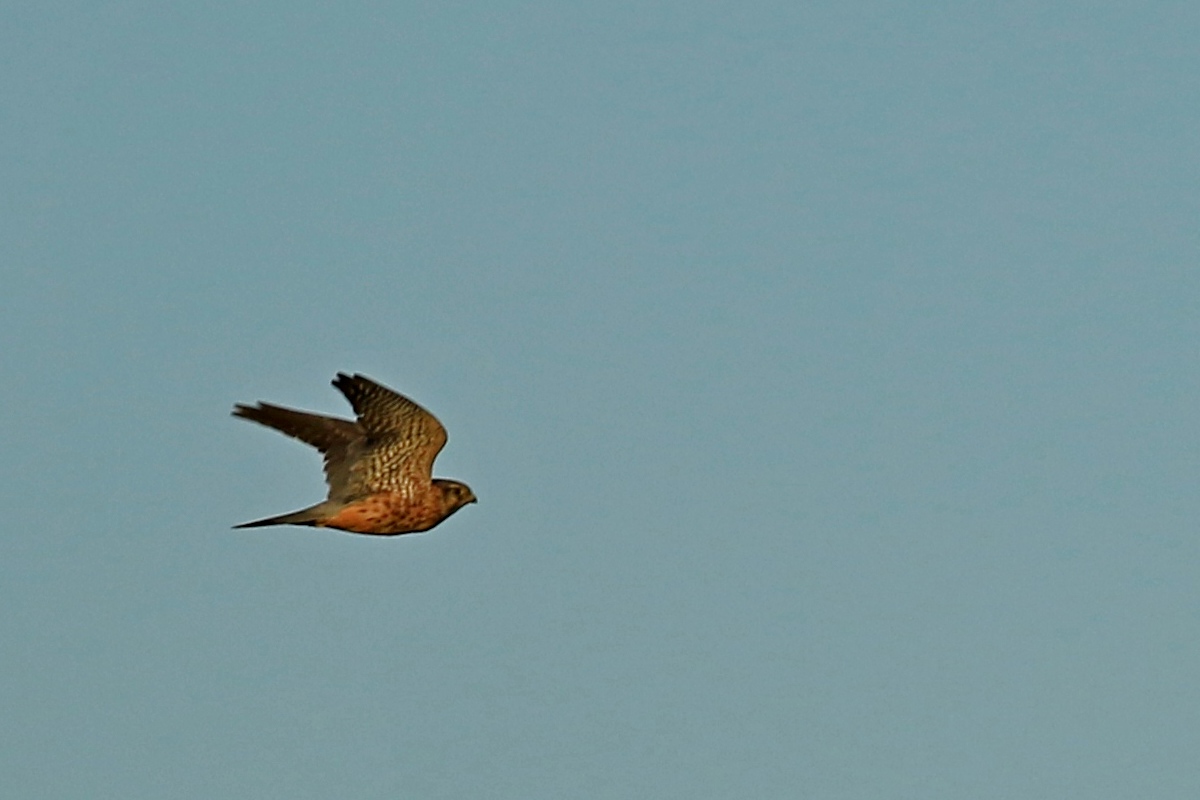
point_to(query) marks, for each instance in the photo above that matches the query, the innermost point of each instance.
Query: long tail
(306, 516)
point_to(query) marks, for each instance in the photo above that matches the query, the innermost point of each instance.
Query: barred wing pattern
(402, 439)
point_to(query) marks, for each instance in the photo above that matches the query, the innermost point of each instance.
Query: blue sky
(827, 374)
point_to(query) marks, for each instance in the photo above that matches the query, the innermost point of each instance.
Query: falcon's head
(455, 495)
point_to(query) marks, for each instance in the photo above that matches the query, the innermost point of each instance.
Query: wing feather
(402, 438)
(332, 436)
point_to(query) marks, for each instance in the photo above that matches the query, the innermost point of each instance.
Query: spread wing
(330, 435)
(402, 439)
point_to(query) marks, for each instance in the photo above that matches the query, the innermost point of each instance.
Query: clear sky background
(827, 374)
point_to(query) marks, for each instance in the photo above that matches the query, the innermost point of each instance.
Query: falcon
(379, 467)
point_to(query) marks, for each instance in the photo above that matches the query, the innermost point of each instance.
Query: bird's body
(379, 468)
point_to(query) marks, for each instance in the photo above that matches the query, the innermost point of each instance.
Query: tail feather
(307, 516)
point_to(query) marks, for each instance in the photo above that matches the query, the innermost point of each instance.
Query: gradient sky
(827, 374)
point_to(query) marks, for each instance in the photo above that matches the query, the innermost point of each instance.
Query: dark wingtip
(342, 382)
(346, 377)
(348, 384)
